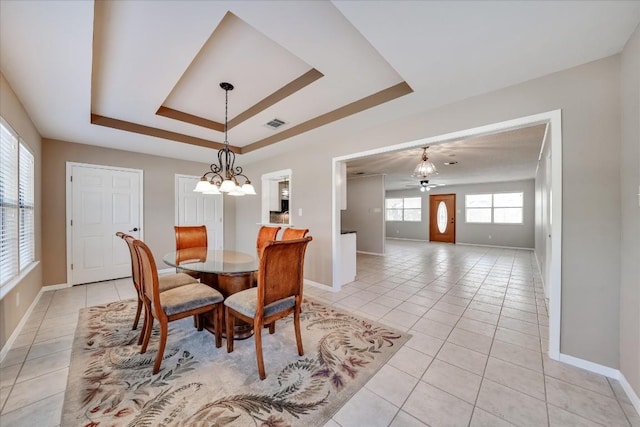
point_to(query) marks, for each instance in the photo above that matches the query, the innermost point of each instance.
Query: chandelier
(425, 168)
(224, 174)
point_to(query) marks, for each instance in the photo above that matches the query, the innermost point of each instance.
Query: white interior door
(199, 209)
(103, 201)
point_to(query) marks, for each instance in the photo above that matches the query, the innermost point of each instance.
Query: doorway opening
(552, 267)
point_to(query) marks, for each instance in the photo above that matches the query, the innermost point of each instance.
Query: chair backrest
(190, 236)
(148, 275)
(281, 270)
(135, 267)
(294, 233)
(135, 264)
(198, 254)
(264, 235)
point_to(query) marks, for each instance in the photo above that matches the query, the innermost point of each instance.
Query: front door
(104, 200)
(442, 218)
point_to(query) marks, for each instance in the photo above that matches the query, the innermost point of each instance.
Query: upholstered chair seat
(170, 281)
(246, 303)
(188, 297)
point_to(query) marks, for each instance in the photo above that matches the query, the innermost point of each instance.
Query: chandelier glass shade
(425, 168)
(223, 176)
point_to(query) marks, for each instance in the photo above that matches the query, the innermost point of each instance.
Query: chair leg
(137, 319)
(199, 319)
(257, 335)
(229, 327)
(218, 312)
(296, 323)
(163, 342)
(143, 331)
(272, 327)
(148, 327)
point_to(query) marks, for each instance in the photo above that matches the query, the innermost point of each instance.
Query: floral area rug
(110, 383)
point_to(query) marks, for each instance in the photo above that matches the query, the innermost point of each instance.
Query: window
(16, 205)
(404, 209)
(499, 208)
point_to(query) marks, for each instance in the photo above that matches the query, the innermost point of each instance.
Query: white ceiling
(138, 55)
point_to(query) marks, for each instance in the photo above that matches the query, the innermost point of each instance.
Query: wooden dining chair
(190, 236)
(265, 234)
(294, 233)
(278, 294)
(177, 303)
(166, 281)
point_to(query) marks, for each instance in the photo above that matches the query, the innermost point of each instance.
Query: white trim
(590, 366)
(495, 246)
(607, 372)
(69, 205)
(48, 288)
(554, 119)
(555, 258)
(320, 286)
(7, 287)
(18, 329)
(631, 394)
(410, 240)
(369, 253)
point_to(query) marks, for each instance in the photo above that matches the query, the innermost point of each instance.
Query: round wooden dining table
(226, 271)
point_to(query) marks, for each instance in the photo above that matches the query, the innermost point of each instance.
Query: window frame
(402, 209)
(492, 208)
(19, 216)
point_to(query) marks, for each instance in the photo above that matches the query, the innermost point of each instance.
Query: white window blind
(8, 204)
(25, 194)
(17, 236)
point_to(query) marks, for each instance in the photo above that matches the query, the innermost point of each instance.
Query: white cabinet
(347, 258)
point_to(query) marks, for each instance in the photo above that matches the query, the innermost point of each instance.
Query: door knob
(134, 229)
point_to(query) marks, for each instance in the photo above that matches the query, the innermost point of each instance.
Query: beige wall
(159, 199)
(12, 306)
(630, 242)
(589, 97)
(365, 212)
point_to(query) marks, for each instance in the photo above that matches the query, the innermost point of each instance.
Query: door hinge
(71, 178)
(72, 223)
(72, 266)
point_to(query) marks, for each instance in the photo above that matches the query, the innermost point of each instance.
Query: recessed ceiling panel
(235, 53)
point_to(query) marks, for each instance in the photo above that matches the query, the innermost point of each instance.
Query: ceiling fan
(425, 185)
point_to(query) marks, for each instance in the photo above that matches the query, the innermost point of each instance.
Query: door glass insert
(442, 217)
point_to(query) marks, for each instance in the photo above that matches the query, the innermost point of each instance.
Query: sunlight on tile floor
(477, 356)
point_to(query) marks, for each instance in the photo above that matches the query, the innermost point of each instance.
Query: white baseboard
(631, 394)
(369, 253)
(494, 246)
(18, 329)
(410, 240)
(320, 285)
(55, 287)
(590, 366)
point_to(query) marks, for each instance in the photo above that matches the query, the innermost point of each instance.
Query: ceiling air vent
(275, 123)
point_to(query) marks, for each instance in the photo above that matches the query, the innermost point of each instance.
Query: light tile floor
(479, 330)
